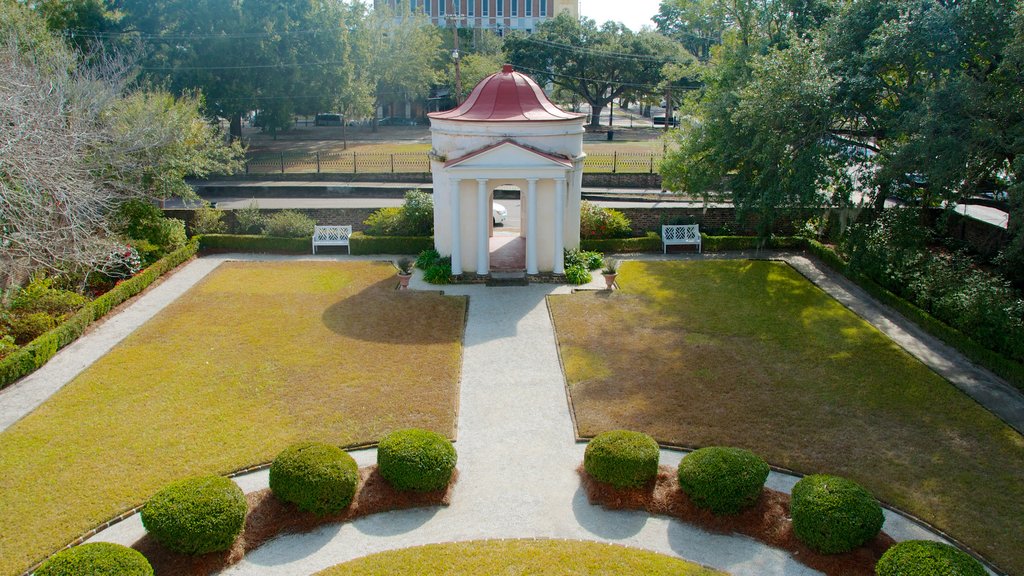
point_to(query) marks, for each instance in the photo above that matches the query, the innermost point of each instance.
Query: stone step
(507, 278)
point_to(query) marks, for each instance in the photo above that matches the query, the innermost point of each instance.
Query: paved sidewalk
(517, 451)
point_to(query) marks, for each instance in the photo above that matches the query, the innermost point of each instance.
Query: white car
(498, 213)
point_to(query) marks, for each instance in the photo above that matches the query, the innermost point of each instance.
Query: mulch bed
(767, 521)
(269, 517)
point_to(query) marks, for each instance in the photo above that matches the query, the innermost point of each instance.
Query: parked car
(660, 120)
(327, 120)
(498, 213)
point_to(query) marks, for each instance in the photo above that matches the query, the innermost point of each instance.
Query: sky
(635, 14)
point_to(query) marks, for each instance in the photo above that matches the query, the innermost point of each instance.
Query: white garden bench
(679, 234)
(332, 236)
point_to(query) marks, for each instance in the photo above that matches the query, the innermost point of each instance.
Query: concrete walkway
(516, 445)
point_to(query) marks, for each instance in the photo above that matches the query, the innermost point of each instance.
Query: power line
(110, 35)
(651, 87)
(592, 51)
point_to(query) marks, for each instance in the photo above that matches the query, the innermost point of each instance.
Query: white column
(483, 221)
(531, 226)
(456, 227)
(559, 226)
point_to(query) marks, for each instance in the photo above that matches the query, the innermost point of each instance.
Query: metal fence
(412, 162)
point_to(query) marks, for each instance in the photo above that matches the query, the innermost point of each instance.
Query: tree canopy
(599, 64)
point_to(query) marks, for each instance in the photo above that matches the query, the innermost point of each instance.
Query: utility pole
(456, 56)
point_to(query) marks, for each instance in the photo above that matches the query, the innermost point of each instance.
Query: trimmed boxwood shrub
(196, 515)
(316, 477)
(649, 243)
(833, 514)
(365, 244)
(96, 559)
(723, 480)
(255, 244)
(622, 458)
(416, 460)
(927, 558)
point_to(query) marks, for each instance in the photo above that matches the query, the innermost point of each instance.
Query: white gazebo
(507, 133)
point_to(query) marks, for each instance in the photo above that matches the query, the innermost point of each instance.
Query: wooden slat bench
(680, 235)
(332, 236)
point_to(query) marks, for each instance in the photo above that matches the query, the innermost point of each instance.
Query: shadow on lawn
(380, 313)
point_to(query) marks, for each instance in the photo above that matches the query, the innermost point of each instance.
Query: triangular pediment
(509, 154)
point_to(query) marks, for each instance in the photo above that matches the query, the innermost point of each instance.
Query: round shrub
(318, 478)
(289, 224)
(723, 480)
(927, 558)
(833, 514)
(622, 458)
(96, 559)
(417, 460)
(196, 515)
(577, 275)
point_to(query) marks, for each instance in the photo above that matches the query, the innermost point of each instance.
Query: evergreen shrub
(622, 458)
(416, 460)
(723, 480)
(318, 478)
(927, 558)
(833, 515)
(196, 515)
(96, 559)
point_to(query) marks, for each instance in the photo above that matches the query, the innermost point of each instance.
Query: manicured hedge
(30, 357)
(416, 460)
(726, 243)
(364, 244)
(723, 480)
(96, 559)
(318, 478)
(256, 244)
(622, 458)
(1010, 370)
(833, 515)
(927, 558)
(196, 515)
(649, 243)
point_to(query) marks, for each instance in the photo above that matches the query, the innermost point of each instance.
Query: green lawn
(519, 558)
(254, 358)
(750, 354)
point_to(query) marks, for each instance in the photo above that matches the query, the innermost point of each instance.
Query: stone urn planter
(404, 266)
(610, 272)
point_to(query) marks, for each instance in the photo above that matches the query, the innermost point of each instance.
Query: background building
(497, 15)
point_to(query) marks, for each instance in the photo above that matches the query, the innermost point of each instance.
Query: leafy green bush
(440, 272)
(577, 275)
(39, 295)
(891, 251)
(149, 230)
(289, 224)
(598, 222)
(414, 218)
(649, 243)
(622, 458)
(427, 258)
(196, 515)
(96, 559)
(588, 260)
(416, 460)
(249, 220)
(723, 480)
(927, 558)
(208, 220)
(27, 327)
(7, 347)
(318, 478)
(833, 515)
(361, 243)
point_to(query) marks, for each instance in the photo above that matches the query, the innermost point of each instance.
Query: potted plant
(610, 271)
(404, 266)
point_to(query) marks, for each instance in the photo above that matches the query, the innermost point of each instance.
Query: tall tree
(599, 64)
(277, 58)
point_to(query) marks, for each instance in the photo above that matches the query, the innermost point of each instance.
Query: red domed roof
(506, 96)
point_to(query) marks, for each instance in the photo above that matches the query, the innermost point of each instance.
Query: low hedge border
(33, 355)
(255, 244)
(649, 243)
(363, 244)
(1012, 371)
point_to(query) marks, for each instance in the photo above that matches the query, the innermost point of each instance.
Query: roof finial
(506, 69)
